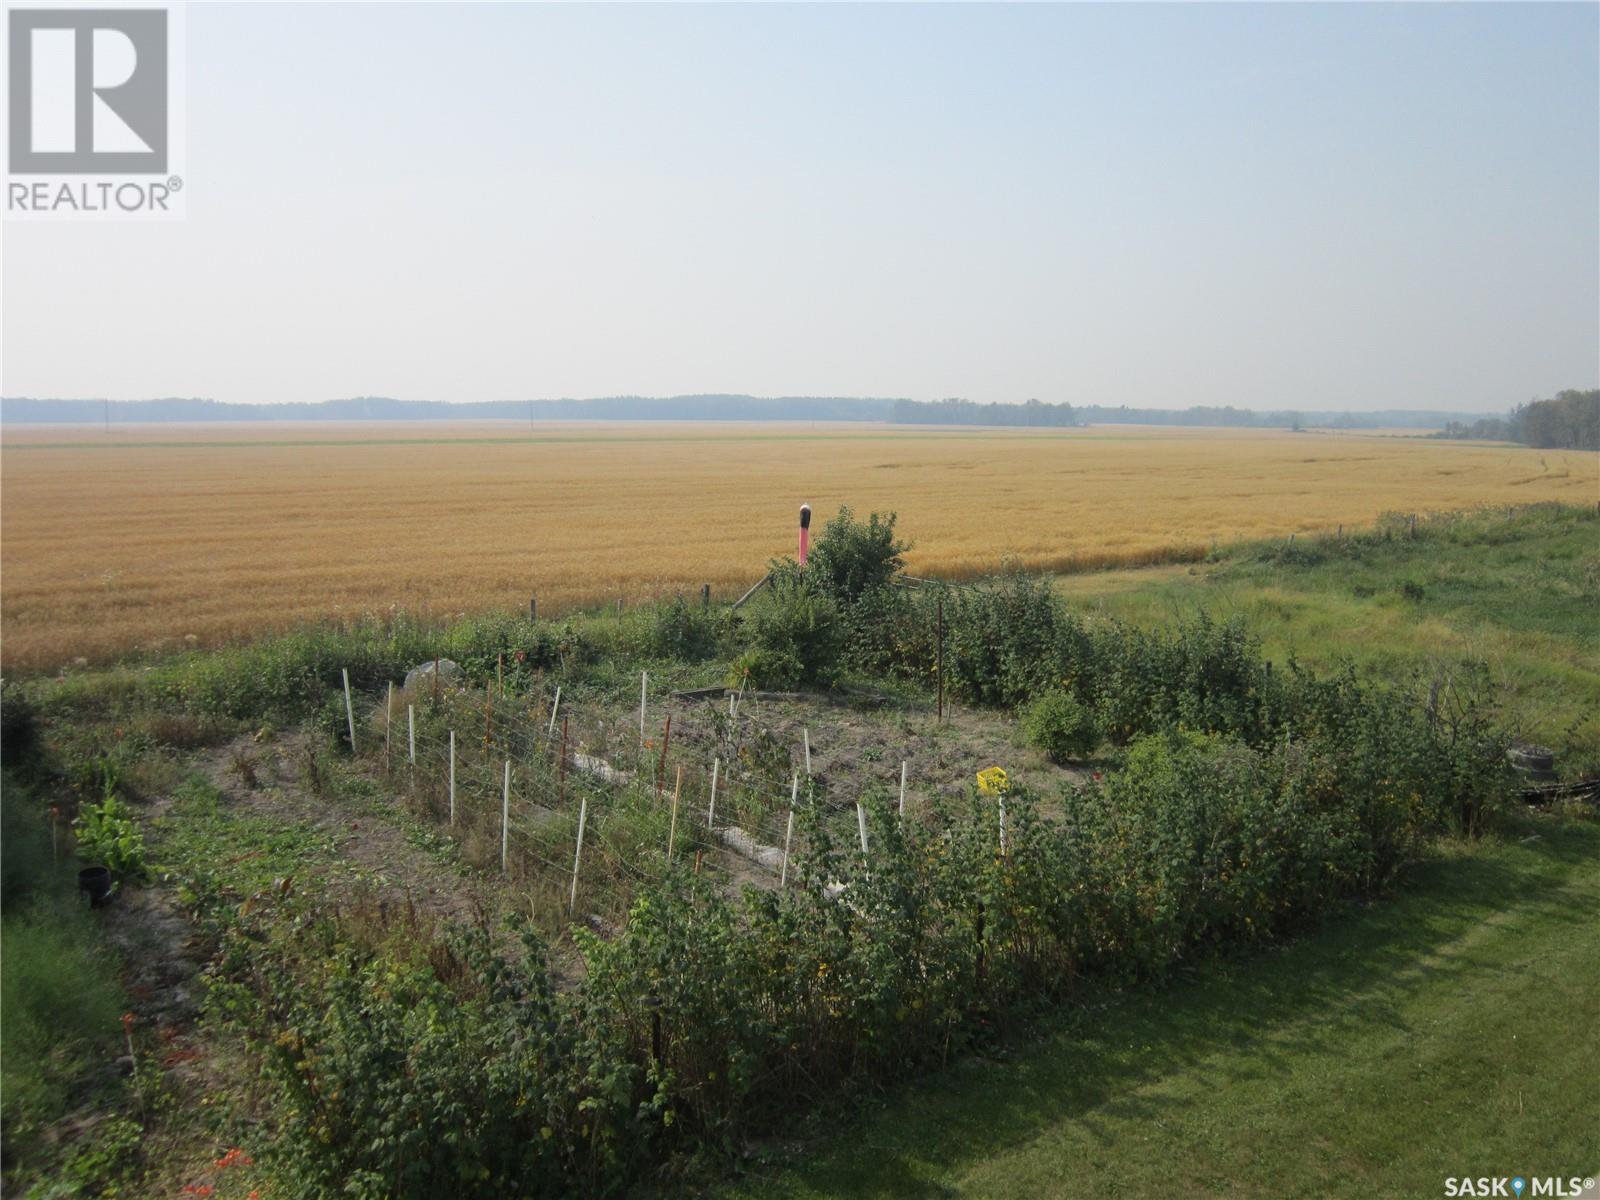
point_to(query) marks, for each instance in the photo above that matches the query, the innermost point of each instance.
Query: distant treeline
(1036, 412)
(712, 407)
(383, 408)
(1569, 421)
(967, 412)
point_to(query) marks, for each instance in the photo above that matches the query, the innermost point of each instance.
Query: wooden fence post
(349, 710)
(939, 653)
(452, 777)
(533, 608)
(705, 595)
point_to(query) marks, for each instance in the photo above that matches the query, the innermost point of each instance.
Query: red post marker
(805, 532)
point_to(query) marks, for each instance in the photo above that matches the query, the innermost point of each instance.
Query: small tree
(853, 558)
(1061, 726)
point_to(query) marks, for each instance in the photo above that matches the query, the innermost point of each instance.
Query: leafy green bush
(772, 670)
(511, 647)
(1007, 639)
(1060, 725)
(109, 836)
(1200, 674)
(408, 1070)
(852, 559)
(680, 631)
(796, 637)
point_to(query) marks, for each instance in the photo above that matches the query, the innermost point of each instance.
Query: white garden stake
(349, 710)
(902, 789)
(861, 820)
(672, 830)
(554, 708)
(388, 712)
(505, 818)
(1002, 826)
(411, 733)
(577, 855)
(644, 683)
(711, 810)
(788, 833)
(806, 733)
(452, 777)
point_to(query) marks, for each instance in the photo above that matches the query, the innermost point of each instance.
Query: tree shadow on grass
(1091, 1060)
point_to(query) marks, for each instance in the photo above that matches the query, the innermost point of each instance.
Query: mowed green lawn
(1451, 1031)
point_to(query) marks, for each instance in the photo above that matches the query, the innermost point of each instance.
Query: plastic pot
(96, 882)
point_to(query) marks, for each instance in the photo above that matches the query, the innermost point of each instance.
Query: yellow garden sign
(993, 782)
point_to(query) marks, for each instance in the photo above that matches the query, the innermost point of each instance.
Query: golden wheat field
(135, 540)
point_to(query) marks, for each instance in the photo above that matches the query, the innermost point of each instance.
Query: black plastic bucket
(96, 881)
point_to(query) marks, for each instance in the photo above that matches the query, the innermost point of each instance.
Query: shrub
(852, 559)
(772, 670)
(437, 1069)
(680, 631)
(109, 836)
(796, 635)
(510, 647)
(1060, 725)
(1208, 841)
(1006, 639)
(890, 633)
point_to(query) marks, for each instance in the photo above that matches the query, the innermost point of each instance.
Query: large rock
(421, 677)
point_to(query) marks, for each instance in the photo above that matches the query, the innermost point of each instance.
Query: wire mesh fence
(579, 808)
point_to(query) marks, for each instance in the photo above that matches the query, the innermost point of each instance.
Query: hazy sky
(1352, 206)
